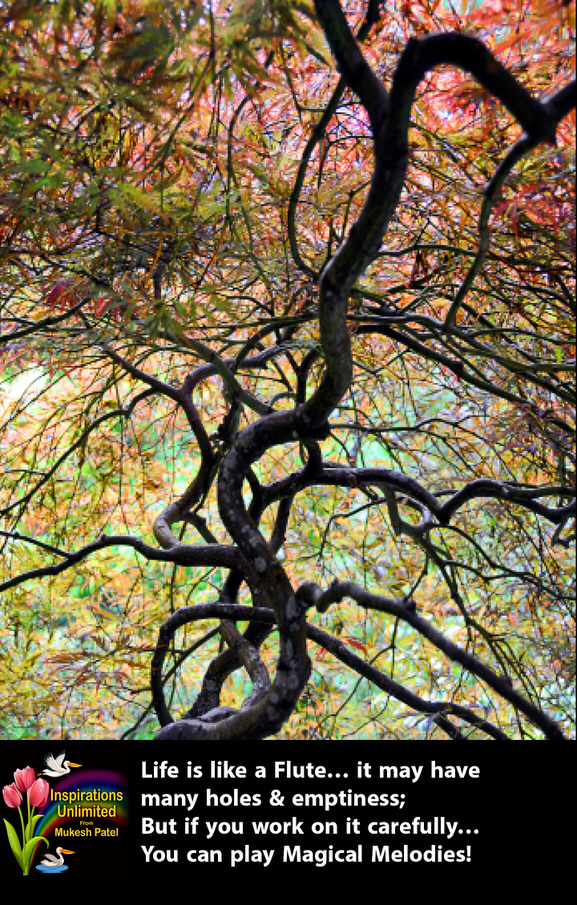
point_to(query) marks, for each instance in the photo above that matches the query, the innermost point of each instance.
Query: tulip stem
(22, 825)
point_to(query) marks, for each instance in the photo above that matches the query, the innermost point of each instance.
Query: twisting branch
(406, 610)
(207, 708)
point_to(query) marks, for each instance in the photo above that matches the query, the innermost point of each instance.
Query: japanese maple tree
(287, 344)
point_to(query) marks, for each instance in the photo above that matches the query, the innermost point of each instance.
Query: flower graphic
(12, 796)
(24, 778)
(36, 792)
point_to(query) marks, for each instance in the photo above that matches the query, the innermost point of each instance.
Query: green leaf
(14, 843)
(136, 197)
(31, 824)
(29, 848)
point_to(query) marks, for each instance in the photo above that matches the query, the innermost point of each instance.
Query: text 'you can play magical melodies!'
(296, 812)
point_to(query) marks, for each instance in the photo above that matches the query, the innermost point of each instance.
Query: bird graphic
(56, 860)
(57, 766)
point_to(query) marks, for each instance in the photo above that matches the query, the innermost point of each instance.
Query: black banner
(352, 810)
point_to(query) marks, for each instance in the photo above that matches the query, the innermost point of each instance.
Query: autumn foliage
(286, 364)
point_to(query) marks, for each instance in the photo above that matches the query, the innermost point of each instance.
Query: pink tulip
(12, 795)
(24, 778)
(38, 793)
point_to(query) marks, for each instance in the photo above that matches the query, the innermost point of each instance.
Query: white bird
(57, 766)
(53, 861)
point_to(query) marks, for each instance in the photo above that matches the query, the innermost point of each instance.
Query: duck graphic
(54, 863)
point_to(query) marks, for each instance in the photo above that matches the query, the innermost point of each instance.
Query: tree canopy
(286, 346)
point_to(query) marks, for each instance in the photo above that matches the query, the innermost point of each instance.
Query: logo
(35, 791)
(63, 802)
